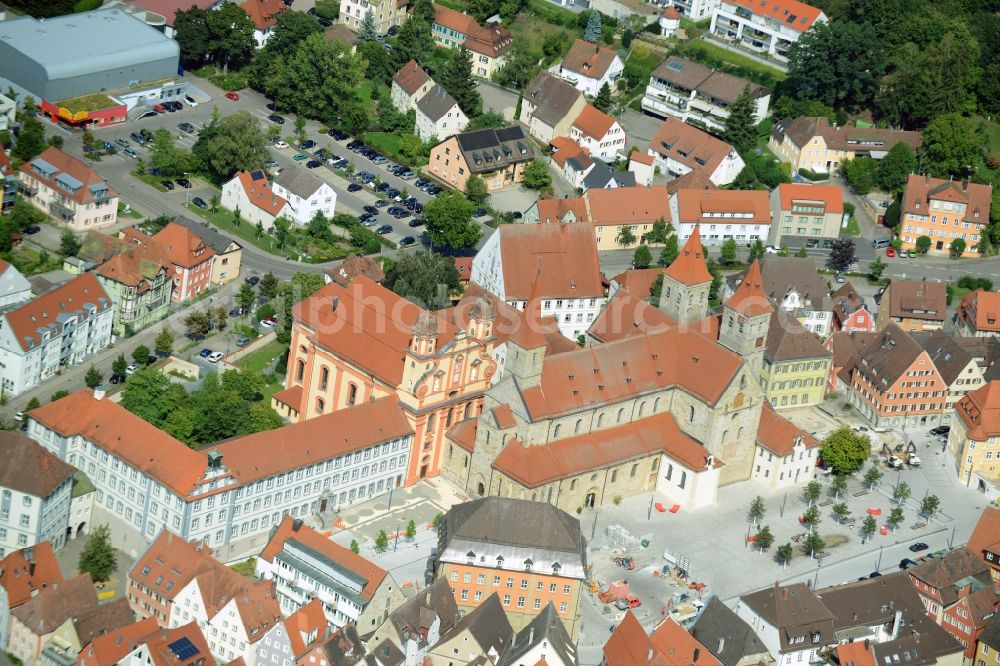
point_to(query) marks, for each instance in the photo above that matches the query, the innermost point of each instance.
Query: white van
(880, 242)
(190, 102)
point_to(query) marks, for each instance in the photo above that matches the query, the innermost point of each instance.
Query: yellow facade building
(795, 364)
(974, 440)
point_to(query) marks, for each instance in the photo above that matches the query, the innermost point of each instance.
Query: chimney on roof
(649, 655)
(336, 302)
(722, 644)
(697, 653)
(296, 524)
(965, 184)
(99, 393)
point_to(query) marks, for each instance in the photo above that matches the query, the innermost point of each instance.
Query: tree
(765, 538)
(268, 285)
(232, 33)
(59, 395)
(842, 253)
(845, 451)
(457, 80)
(69, 243)
(895, 168)
(449, 221)
(895, 518)
(119, 365)
(300, 130)
(812, 491)
(411, 530)
(950, 146)
(518, 69)
(802, 252)
(957, 247)
(929, 506)
(813, 544)
(901, 492)
(923, 244)
(741, 126)
(476, 190)
(728, 251)
(593, 31)
(670, 251)
(367, 31)
(382, 541)
(713, 289)
(319, 227)
(659, 232)
(603, 101)
(164, 344)
(868, 527)
(811, 517)
(876, 268)
(328, 9)
(98, 555)
(757, 249)
(245, 296)
(164, 156)
(536, 175)
(193, 35)
(872, 477)
(424, 278)
(423, 10)
(34, 403)
(197, 323)
(838, 63)
(299, 287)
(860, 173)
(756, 511)
(93, 378)
(140, 354)
(642, 257)
(30, 140)
(282, 227)
(236, 143)
(487, 120)
(784, 554)
(839, 485)
(841, 512)
(355, 548)
(626, 236)
(219, 316)
(413, 42)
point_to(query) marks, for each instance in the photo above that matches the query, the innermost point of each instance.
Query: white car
(130, 370)
(190, 102)
(770, 249)
(19, 416)
(280, 145)
(215, 357)
(268, 323)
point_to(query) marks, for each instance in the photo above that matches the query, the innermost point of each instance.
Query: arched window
(555, 431)
(743, 382)
(684, 478)
(352, 393)
(739, 435)
(572, 484)
(691, 415)
(600, 420)
(656, 405)
(579, 424)
(614, 475)
(670, 471)
(451, 450)
(432, 421)
(642, 407)
(302, 348)
(621, 413)
(320, 405)
(451, 416)
(656, 464)
(324, 377)
(300, 370)
(725, 435)
(468, 410)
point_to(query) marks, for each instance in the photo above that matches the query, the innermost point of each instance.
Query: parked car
(236, 312)
(381, 203)
(122, 142)
(270, 164)
(628, 602)
(479, 212)
(116, 379)
(313, 164)
(183, 182)
(367, 219)
(276, 119)
(338, 135)
(138, 138)
(409, 203)
(516, 214)
(159, 108)
(840, 279)
(370, 209)
(307, 144)
(280, 145)
(215, 357)
(407, 241)
(269, 322)
(919, 546)
(252, 280)
(233, 96)
(190, 102)
(131, 369)
(131, 153)
(186, 127)
(940, 430)
(173, 106)
(200, 203)
(169, 184)
(407, 175)
(384, 229)
(32, 229)
(889, 252)
(906, 563)
(243, 342)
(353, 187)
(417, 222)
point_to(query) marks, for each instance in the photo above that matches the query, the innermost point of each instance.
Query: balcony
(62, 212)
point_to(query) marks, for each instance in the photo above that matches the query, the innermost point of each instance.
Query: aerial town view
(499, 333)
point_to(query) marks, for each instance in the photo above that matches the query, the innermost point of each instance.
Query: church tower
(686, 283)
(526, 346)
(745, 320)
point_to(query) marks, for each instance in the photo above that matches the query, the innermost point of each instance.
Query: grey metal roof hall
(79, 54)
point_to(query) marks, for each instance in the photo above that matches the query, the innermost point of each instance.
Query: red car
(889, 252)
(159, 108)
(233, 96)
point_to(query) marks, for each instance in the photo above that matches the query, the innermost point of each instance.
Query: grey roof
(887, 356)
(991, 635)
(488, 625)
(385, 653)
(725, 634)
(418, 612)
(794, 610)
(492, 149)
(436, 103)
(789, 340)
(514, 522)
(949, 357)
(102, 39)
(209, 235)
(779, 275)
(299, 181)
(546, 626)
(13, 282)
(553, 97)
(344, 647)
(601, 176)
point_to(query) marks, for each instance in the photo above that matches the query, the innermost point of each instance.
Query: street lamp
(395, 540)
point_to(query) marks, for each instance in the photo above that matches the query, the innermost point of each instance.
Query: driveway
(639, 128)
(497, 98)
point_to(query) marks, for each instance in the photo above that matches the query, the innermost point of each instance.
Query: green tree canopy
(69, 243)
(741, 127)
(424, 278)
(950, 146)
(592, 33)
(449, 221)
(30, 140)
(536, 175)
(603, 100)
(845, 451)
(642, 257)
(894, 169)
(476, 190)
(93, 378)
(838, 63)
(164, 344)
(457, 80)
(98, 555)
(236, 143)
(368, 32)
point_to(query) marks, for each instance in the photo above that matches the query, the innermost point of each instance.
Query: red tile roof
(136, 267)
(169, 8)
(668, 645)
(48, 311)
(306, 627)
(778, 435)
(26, 571)
(980, 411)
(980, 310)
(564, 148)
(530, 334)
(533, 466)
(126, 436)
(594, 123)
(6, 168)
(689, 145)
(162, 655)
(856, 653)
(555, 210)
(628, 204)
(794, 15)
(749, 298)
(628, 314)
(567, 254)
(641, 158)
(986, 534)
(66, 164)
(671, 13)
(698, 206)
(679, 648)
(689, 267)
(921, 189)
(49, 609)
(260, 193)
(344, 557)
(183, 246)
(410, 77)
(830, 196)
(263, 13)
(638, 281)
(170, 563)
(112, 647)
(587, 59)
(491, 40)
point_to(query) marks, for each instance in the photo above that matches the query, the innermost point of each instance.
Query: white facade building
(306, 195)
(770, 28)
(55, 331)
(696, 10)
(35, 490)
(14, 287)
(438, 115)
(252, 195)
(147, 481)
(598, 133)
(589, 67)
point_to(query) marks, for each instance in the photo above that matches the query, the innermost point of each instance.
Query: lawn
(852, 228)
(94, 102)
(31, 261)
(223, 220)
(231, 81)
(261, 359)
(529, 33)
(641, 62)
(131, 213)
(716, 52)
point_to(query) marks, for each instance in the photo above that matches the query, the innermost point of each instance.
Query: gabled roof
(183, 246)
(621, 205)
(792, 607)
(668, 645)
(789, 340)
(587, 59)
(568, 253)
(165, 651)
(690, 267)
(515, 522)
(291, 529)
(340, 32)
(726, 634)
(29, 467)
(436, 103)
(779, 435)
(344, 647)
(749, 298)
(209, 235)
(980, 310)
(137, 266)
(263, 13)
(689, 145)
(491, 149)
(791, 14)
(68, 176)
(704, 206)
(949, 357)
(695, 179)
(488, 625)
(259, 192)
(986, 535)
(547, 628)
(27, 571)
(922, 189)
(889, 354)
(690, 76)
(594, 123)
(102, 618)
(629, 313)
(555, 210)
(846, 301)
(553, 97)
(306, 627)
(61, 601)
(82, 297)
(490, 40)
(110, 648)
(170, 563)
(830, 196)
(915, 299)
(803, 129)
(566, 150)
(948, 574)
(418, 612)
(980, 411)
(411, 77)
(299, 182)
(782, 275)
(677, 647)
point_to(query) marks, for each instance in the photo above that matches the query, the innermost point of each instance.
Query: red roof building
(26, 572)
(70, 191)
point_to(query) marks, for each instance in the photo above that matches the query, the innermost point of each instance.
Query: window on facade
(324, 378)
(300, 370)
(352, 393)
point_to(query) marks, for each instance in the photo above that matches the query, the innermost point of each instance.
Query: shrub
(973, 283)
(617, 500)
(812, 175)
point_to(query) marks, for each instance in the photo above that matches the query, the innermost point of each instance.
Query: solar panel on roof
(676, 65)
(257, 175)
(183, 648)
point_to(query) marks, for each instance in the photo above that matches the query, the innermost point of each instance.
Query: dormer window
(499, 561)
